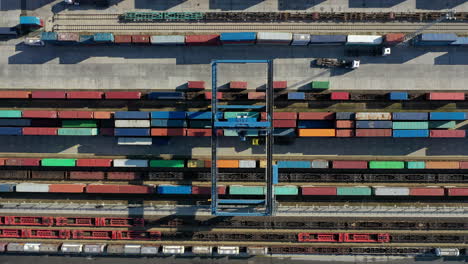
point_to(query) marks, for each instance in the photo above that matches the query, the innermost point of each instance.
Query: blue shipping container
(15, 122)
(199, 115)
(168, 115)
(398, 96)
(166, 95)
(131, 115)
(174, 189)
(168, 123)
(104, 37)
(292, 164)
(11, 131)
(122, 132)
(296, 96)
(345, 115)
(30, 20)
(49, 36)
(410, 116)
(410, 133)
(374, 124)
(7, 187)
(238, 36)
(327, 39)
(316, 124)
(447, 116)
(439, 37)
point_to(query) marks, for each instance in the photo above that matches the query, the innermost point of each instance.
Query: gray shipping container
(49, 248)
(327, 39)
(32, 187)
(115, 249)
(300, 39)
(442, 37)
(373, 116)
(15, 247)
(132, 123)
(94, 248)
(134, 141)
(130, 163)
(319, 164)
(71, 248)
(132, 249)
(257, 251)
(147, 250)
(205, 250)
(247, 163)
(168, 40)
(391, 191)
(15, 122)
(274, 38)
(31, 247)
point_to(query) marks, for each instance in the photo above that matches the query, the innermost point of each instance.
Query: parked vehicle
(333, 62)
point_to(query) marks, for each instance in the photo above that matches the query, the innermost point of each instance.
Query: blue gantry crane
(243, 124)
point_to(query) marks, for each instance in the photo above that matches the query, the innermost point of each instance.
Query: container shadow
(157, 4)
(373, 4)
(233, 4)
(298, 5)
(450, 58)
(438, 5)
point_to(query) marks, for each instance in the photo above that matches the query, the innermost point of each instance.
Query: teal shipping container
(237, 114)
(357, 191)
(77, 131)
(415, 165)
(411, 125)
(10, 113)
(286, 190)
(442, 124)
(246, 190)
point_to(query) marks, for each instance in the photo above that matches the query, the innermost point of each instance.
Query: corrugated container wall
(168, 40)
(278, 38)
(327, 39)
(300, 39)
(364, 40)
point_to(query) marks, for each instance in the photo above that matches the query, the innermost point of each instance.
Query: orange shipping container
(442, 165)
(66, 188)
(316, 132)
(102, 115)
(224, 163)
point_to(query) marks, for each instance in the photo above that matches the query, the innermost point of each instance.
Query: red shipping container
(208, 95)
(202, 40)
(447, 133)
(141, 39)
(256, 95)
(238, 85)
(196, 84)
(106, 132)
(206, 190)
(199, 132)
(284, 123)
(427, 191)
(94, 163)
(42, 131)
(316, 116)
(84, 95)
(464, 165)
(103, 188)
(344, 124)
(373, 132)
(457, 191)
(2, 162)
(48, 95)
(168, 132)
(339, 96)
(39, 114)
(394, 38)
(306, 190)
(67, 188)
(280, 84)
(344, 133)
(122, 39)
(102, 115)
(75, 114)
(446, 96)
(115, 175)
(349, 164)
(122, 95)
(135, 189)
(23, 162)
(281, 115)
(86, 175)
(14, 94)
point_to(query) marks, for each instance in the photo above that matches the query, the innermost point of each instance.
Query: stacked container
(300, 40)
(171, 40)
(276, 38)
(435, 39)
(365, 40)
(327, 40)
(238, 38)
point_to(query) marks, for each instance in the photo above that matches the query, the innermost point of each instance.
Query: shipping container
(134, 163)
(393, 38)
(238, 37)
(31, 20)
(386, 164)
(442, 124)
(67, 188)
(86, 175)
(135, 132)
(320, 84)
(226, 164)
(132, 123)
(351, 191)
(22, 162)
(169, 115)
(32, 187)
(202, 40)
(344, 115)
(281, 115)
(278, 38)
(411, 125)
(447, 133)
(300, 40)
(410, 133)
(86, 40)
(75, 114)
(161, 132)
(442, 165)
(316, 116)
(246, 190)
(284, 132)
(77, 131)
(122, 95)
(311, 190)
(167, 163)
(241, 114)
(373, 132)
(199, 132)
(292, 164)
(7, 187)
(103, 37)
(149, 250)
(344, 124)
(286, 190)
(315, 124)
(429, 191)
(228, 250)
(209, 95)
(371, 40)
(115, 249)
(247, 163)
(174, 189)
(132, 115)
(134, 141)
(256, 95)
(170, 40)
(320, 164)
(132, 249)
(141, 39)
(31, 247)
(237, 85)
(49, 248)
(349, 164)
(49, 37)
(14, 95)
(48, 94)
(123, 39)
(296, 96)
(94, 248)
(206, 190)
(166, 95)
(51, 131)
(441, 116)
(58, 162)
(410, 116)
(48, 175)
(280, 84)
(116, 175)
(195, 164)
(373, 116)
(435, 39)
(339, 96)
(79, 123)
(446, 96)
(327, 39)
(173, 249)
(202, 250)
(284, 123)
(102, 115)
(199, 115)
(94, 163)
(235, 133)
(373, 124)
(464, 165)
(71, 248)
(196, 85)
(345, 133)
(15, 247)
(415, 164)
(11, 131)
(461, 41)
(397, 96)
(39, 114)
(457, 191)
(316, 132)
(391, 191)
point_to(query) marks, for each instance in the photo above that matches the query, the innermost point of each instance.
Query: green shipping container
(237, 114)
(58, 162)
(10, 113)
(234, 133)
(320, 85)
(415, 165)
(79, 123)
(410, 125)
(442, 124)
(286, 190)
(361, 191)
(246, 190)
(386, 164)
(167, 163)
(77, 131)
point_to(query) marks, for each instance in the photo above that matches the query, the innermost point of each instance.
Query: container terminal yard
(234, 131)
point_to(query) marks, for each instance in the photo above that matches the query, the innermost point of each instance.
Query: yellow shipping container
(317, 132)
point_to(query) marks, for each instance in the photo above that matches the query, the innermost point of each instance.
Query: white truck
(333, 62)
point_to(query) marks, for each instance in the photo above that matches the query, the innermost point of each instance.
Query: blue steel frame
(271, 172)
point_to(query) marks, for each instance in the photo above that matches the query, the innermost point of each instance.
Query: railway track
(90, 25)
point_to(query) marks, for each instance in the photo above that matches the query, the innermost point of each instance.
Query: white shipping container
(115, 249)
(257, 250)
(247, 163)
(149, 250)
(71, 248)
(94, 249)
(32, 247)
(168, 40)
(132, 123)
(15, 247)
(319, 164)
(373, 116)
(49, 247)
(130, 163)
(32, 187)
(202, 250)
(364, 40)
(173, 249)
(134, 141)
(132, 249)
(391, 191)
(274, 38)
(447, 252)
(300, 39)
(225, 250)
